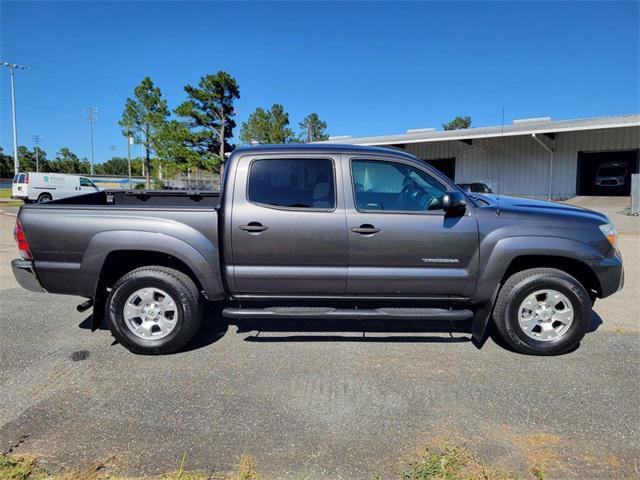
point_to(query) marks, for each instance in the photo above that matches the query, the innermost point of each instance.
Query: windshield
(612, 171)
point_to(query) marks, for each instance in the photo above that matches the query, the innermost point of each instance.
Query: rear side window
(293, 183)
(21, 178)
(15, 178)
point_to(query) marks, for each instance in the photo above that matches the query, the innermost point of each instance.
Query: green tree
(6, 165)
(145, 116)
(179, 145)
(113, 166)
(313, 128)
(68, 162)
(208, 113)
(270, 126)
(458, 123)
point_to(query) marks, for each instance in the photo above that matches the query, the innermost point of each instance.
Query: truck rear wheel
(154, 310)
(542, 311)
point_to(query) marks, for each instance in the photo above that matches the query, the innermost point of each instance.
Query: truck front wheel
(542, 311)
(154, 310)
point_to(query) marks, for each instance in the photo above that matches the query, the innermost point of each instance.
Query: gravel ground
(328, 405)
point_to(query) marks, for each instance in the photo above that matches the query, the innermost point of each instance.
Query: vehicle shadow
(214, 326)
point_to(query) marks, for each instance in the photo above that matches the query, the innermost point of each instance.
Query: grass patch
(452, 463)
(12, 203)
(25, 467)
(5, 193)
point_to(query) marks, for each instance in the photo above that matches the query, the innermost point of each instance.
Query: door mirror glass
(454, 201)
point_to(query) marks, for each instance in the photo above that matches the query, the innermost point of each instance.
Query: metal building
(534, 157)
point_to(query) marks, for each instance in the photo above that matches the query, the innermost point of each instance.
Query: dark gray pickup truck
(323, 232)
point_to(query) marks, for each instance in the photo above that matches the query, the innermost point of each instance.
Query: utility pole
(12, 67)
(92, 115)
(36, 140)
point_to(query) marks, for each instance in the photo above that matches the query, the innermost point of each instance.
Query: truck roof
(319, 147)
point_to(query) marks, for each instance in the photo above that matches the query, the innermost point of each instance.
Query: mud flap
(481, 320)
(99, 306)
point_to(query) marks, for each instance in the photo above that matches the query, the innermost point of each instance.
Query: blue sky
(366, 68)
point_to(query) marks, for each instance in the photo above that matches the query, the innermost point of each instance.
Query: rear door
(288, 231)
(401, 243)
(19, 186)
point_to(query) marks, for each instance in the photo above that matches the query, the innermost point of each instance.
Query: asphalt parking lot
(324, 404)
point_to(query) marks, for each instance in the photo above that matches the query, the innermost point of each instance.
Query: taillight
(21, 240)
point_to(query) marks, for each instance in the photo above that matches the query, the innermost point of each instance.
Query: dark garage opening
(606, 173)
(445, 165)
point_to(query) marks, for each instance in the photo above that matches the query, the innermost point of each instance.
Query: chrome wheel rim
(545, 315)
(150, 313)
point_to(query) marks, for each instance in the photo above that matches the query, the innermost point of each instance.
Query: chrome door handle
(365, 229)
(253, 227)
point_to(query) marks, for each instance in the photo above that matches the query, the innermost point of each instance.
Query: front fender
(204, 262)
(507, 249)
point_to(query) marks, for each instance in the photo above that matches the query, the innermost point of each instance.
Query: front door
(401, 243)
(289, 235)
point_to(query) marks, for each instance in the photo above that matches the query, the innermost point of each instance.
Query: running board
(346, 313)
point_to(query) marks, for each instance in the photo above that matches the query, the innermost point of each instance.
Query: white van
(44, 187)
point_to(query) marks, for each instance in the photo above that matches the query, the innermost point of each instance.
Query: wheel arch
(109, 255)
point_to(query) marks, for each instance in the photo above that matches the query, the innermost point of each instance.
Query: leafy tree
(313, 128)
(270, 126)
(458, 123)
(179, 145)
(113, 166)
(27, 159)
(208, 113)
(68, 162)
(6, 165)
(145, 115)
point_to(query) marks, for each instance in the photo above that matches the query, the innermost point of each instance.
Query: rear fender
(204, 261)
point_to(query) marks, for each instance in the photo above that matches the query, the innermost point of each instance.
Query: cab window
(394, 187)
(85, 182)
(293, 183)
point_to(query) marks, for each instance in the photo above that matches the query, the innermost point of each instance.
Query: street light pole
(12, 67)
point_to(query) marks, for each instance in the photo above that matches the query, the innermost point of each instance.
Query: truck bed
(67, 236)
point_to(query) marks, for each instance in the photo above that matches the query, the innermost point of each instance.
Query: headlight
(609, 231)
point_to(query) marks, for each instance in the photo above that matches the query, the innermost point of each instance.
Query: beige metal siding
(521, 165)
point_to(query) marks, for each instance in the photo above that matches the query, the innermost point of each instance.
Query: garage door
(606, 173)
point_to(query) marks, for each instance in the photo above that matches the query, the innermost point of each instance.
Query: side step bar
(346, 313)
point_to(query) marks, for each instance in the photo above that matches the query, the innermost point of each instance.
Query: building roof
(518, 127)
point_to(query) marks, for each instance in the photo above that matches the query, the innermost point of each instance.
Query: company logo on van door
(53, 179)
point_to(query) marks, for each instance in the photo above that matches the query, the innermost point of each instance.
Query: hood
(542, 207)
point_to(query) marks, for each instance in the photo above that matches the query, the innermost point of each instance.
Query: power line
(92, 116)
(36, 140)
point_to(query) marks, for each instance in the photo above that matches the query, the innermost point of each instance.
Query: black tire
(179, 286)
(522, 284)
(44, 198)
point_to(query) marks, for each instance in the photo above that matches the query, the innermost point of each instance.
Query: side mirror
(454, 201)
